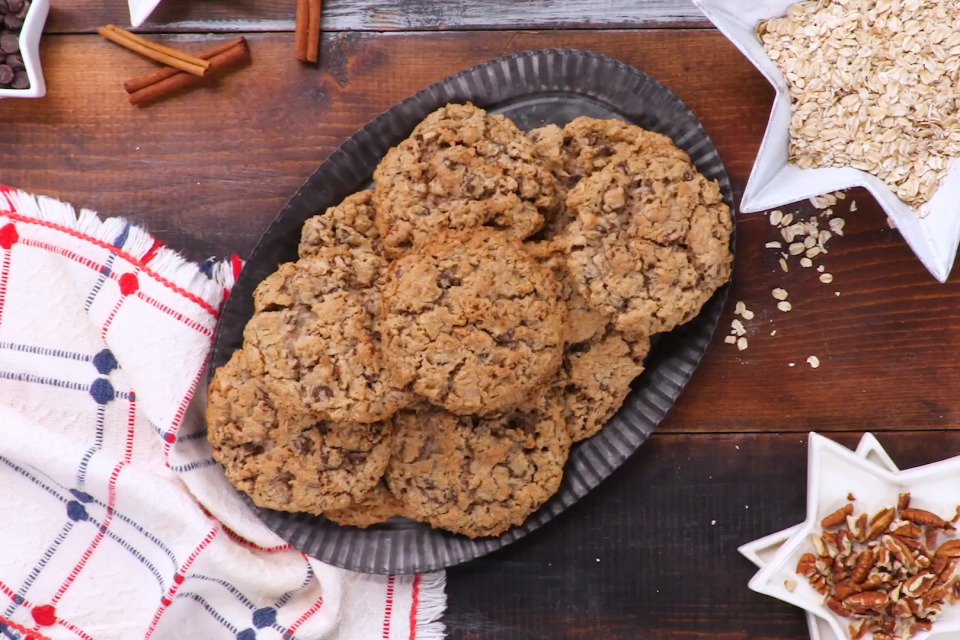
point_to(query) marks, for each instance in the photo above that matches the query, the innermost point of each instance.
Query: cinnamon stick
(228, 58)
(308, 30)
(313, 33)
(303, 29)
(142, 82)
(154, 51)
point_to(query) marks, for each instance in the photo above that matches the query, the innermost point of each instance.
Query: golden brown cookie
(350, 223)
(599, 362)
(460, 169)
(472, 322)
(315, 326)
(378, 506)
(478, 476)
(289, 462)
(651, 242)
(583, 147)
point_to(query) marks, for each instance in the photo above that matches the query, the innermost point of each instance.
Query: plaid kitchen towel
(115, 522)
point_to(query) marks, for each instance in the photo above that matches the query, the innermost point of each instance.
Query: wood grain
(652, 552)
(84, 16)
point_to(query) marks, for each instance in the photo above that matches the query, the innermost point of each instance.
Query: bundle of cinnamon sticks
(308, 30)
(182, 71)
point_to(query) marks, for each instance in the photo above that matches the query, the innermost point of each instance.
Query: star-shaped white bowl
(774, 182)
(30, 50)
(833, 471)
(140, 10)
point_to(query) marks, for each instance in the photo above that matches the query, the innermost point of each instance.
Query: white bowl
(30, 50)
(774, 182)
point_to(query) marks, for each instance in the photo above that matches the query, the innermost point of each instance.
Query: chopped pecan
(919, 584)
(949, 549)
(903, 502)
(864, 564)
(876, 581)
(923, 518)
(880, 522)
(866, 601)
(906, 529)
(901, 552)
(845, 588)
(807, 565)
(844, 543)
(862, 527)
(948, 571)
(858, 630)
(818, 545)
(910, 543)
(837, 518)
(931, 537)
(837, 607)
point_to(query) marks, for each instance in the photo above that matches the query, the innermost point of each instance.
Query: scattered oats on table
(873, 86)
(814, 362)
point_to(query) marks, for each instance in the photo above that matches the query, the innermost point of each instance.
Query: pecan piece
(858, 630)
(906, 529)
(861, 527)
(931, 537)
(837, 607)
(949, 549)
(901, 552)
(837, 518)
(923, 518)
(807, 566)
(949, 570)
(866, 602)
(903, 502)
(845, 588)
(919, 584)
(864, 564)
(910, 543)
(818, 545)
(880, 522)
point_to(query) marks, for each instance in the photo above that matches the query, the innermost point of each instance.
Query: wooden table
(652, 553)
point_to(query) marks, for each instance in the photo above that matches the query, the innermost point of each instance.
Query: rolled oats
(874, 86)
(780, 294)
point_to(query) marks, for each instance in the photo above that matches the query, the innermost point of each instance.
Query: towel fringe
(431, 605)
(134, 241)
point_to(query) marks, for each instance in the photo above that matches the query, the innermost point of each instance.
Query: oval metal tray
(532, 88)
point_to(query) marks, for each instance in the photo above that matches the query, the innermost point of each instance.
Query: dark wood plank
(640, 557)
(206, 172)
(84, 16)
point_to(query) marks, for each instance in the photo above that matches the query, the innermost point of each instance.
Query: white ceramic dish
(140, 10)
(774, 183)
(30, 50)
(833, 471)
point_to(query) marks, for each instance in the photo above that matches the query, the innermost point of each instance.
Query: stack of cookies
(445, 337)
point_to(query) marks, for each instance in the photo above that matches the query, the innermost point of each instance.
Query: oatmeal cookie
(376, 507)
(350, 223)
(289, 462)
(478, 476)
(583, 147)
(315, 326)
(472, 322)
(651, 242)
(596, 378)
(599, 362)
(460, 169)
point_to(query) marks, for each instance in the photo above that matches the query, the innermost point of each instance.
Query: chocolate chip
(369, 377)
(506, 336)
(623, 166)
(573, 180)
(302, 444)
(6, 74)
(356, 458)
(4, 7)
(336, 372)
(592, 139)
(20, 81)
(9, 43)
(22, 14)
(15, 5)
(322, 428)
(3, 58)
(12, 21)
(577, 347)
(605, 150)
(322, 390)
(446, 279)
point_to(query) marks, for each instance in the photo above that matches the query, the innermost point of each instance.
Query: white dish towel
(115, 522)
